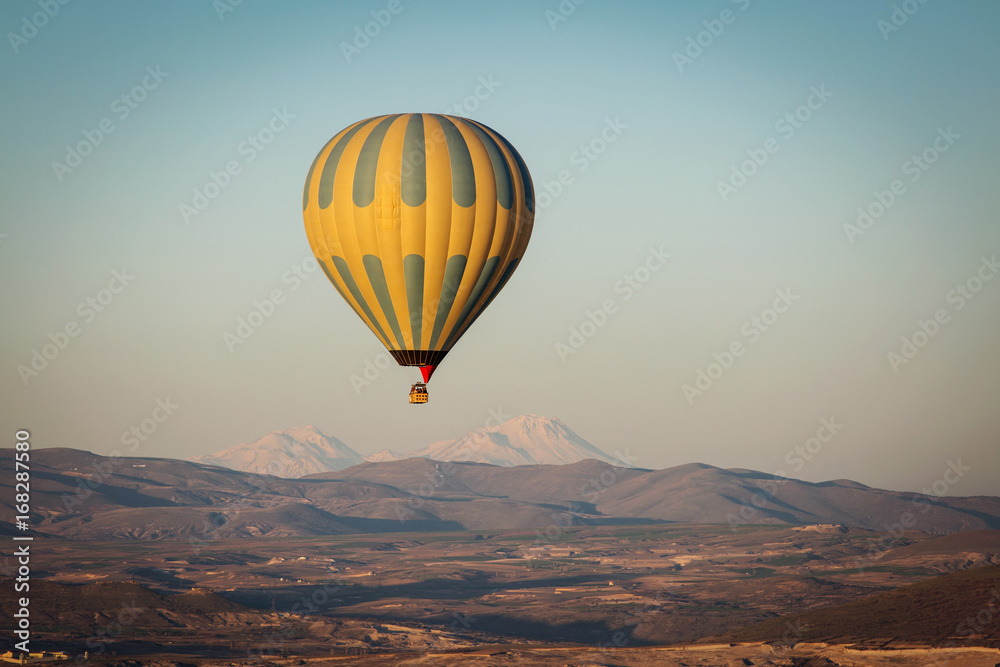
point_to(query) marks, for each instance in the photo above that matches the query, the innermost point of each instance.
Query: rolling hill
(79, 495)
(960, 609)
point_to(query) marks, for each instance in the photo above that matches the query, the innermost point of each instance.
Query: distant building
(547, 552)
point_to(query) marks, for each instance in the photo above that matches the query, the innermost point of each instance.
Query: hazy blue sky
(832, 100)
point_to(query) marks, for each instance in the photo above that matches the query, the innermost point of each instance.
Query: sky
(766, 234)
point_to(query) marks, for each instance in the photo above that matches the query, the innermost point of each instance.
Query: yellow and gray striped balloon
(418, 220)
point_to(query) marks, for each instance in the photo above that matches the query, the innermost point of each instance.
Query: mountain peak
(531, 416)
(384, 455)
(293, 452)
(530, 421)
(527, 439)
(309, 429)
(308, 433)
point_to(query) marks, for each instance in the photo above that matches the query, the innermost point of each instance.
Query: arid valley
(607, 595)
(422, 562)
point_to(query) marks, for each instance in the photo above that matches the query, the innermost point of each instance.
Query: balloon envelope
(418, 220)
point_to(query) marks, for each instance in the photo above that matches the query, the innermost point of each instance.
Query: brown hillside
(960, 609)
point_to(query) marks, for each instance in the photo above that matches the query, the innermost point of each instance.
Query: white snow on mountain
(387, 455)
(290, 453)
(524, 440)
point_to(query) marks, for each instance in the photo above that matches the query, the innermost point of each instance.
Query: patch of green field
(754, 572)
(890, 569)
(794, 559)
(90, 565)
(904, 571)
(720, 606)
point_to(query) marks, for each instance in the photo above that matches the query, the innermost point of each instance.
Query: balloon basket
(418, 393)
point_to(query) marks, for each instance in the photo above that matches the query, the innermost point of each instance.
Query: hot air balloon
(418, 220)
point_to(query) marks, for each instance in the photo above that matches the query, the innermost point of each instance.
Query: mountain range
(83, 496)
(524, 440)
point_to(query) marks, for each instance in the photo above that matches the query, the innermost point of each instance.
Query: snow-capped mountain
(290, 453)
(387, 455)
(524, 440)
